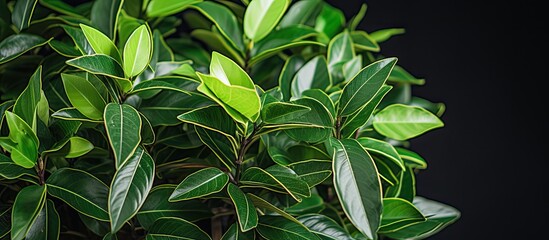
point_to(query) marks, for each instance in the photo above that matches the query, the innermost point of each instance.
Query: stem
(41, 170)
(338, 128)
(357, 133)
(245, 144)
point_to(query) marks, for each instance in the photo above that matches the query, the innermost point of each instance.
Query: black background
(486, 62)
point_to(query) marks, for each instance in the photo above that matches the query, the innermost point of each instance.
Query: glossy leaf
(412, 159)
(324, 227)
(84, 96)
(292, 65)
(262, 16)
(303, 12)
(28, 204)
(234, 233)
(78, 37)
(78, 147)
(104, 16)
(100, 43)
(403, 122)
(340, 49)
(312, 204)
(72, 114)
(362, 116)
(212, 118)
(98, 64)
(384, 34)
(281, 112)
(62, 7)
(313, 75)
(157, 206)
(175, 228)
(5, 220)
(364, 86)
(199, 184)
(11, 170)
(25, 151)
(274, 227)
(163, 8)
(312, 171)
(129, 188)
(245, 210)
(359, 196)
(280, 39)
(267, 206)
(315, 126)
(277, 177)
(46, 225)
(137, 51)
(363, 41)
(224, 20)
(123, 125)
(405, 187)
(382, 148)
(17, 44)
(80, 190)
(222, 146)
(27, 103)
(397, 214)
(22, 13)
(330, 21)
(355, 21)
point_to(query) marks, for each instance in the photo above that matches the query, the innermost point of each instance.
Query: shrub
(264, 120)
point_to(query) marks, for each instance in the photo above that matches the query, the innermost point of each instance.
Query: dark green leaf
(277, 178)
(5, 221)
(278, 39)
(364, 86)
(72, 114)
(340, 50)
(200, 184)
(359, 196)
(10, 170)
(62, 7)
(27, 103)
(98, 64)
(104, 16)
(163, 8)
(123, 125)
(28, 204)
(315, 126)
(400, 75)
(412, 159)
(435, 108)
(397, 214)
(303, 12)
(324, 227)
(274, 227)
(292, 65)
(175, 228)
(162, 83)
(164, 108)
(212, 118)
(97, 227)
(312, 204)
(323, 98)
(15, 45)
(78, 37)
(81, 190)
(65, 49)
(382, 148)
(46, 225)
(234, 233)
(312, 171)
(281, 112)
(245, 210)
(313, 75)
(218, 43)
(22, 13)
(84, 96)
(224, 20)
(402, 122)
(362, 116)
(222, 146)
(129, 188)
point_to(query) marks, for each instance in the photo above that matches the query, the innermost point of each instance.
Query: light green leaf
(412, 159)
(275, 227)
(123, 125)
(25, 152)
(340, 49)
(355, 21)
(84, 96)
(382, 148)
(384, 34)
(17, 44)
(163, 8)
(282, 112)
(364, 86)
(78, 147)
(175, 228)
(129, 188)
(359, 193)
(137, 51)
(355, 121)
(100, 43)
(397, 214)
(363, 41)
(72, 114)
(330, 21)
(22, 13)
(324, 227)
(27, 103)
(403, 122)
(277, 178)
(199, 184)
(80, 190)
(104, 16)
(400, 75)
(245, 210)
(28, 204)
(313, 75)
(262, 16)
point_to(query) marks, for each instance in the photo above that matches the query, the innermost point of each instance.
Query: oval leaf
(22, 13)
(402, 122)
(100, 43)
(199, 184)
(163, 8)
(27, 102)
(281, 112)
(262, 16)
(224, 20)
(104, 16)
(17, 44)
(277, 177)
(10, 170)
(84, 96)
(314, 75)
(176, 228)
(245, 210)
(137, 51)
(398, 213)
(123, 125)
(98, 64)
(28, 204)
(274, 228)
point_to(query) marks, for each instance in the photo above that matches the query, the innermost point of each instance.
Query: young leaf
(245, 210)
(27, 103)
(129, 188)
(28, 204)
(363, 41)
(17, 44)
(313, 75)
(397, 214)
(364, 86)
(25, 152)
(123, 125)
(384, 34)
(275, 227)
(199, 184)
(403, 122)
(163, 8)
(361, 196)
(84, 96)
(412, 159)
(137, 51)
(330, 21)
(80, 190)
(22, 13)
(100, 43)
(303, 12)
(324, 227)
(104, 16)
(176, 228)
(78, 146)
(262, 16)
(400, 75)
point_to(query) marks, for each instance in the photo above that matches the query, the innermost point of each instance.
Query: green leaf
(363, 41)
(84, 96)
(277, 178)
(405, 187)
(382, 148)
(137, 51)
(62, 7)
(340, 49)
(312, 204)
(245, 210)
(400, 75)
(438, 217)
(412, 159)
(397, 214)
(402, 122)
(28, 204)
(313, 75)
(27, 103)
(25, 152)
(175, 228)
(46, 225)
(358, 119)
(221, 145)
(324, 227)
(98, 64)
(10, 170)
(274, 227)
(199, 184)
(315, 126)
(330, 21)
(78, 37)
(262, 16)
(355, 21)
(157, 206)
(78, 147)
(384, 34)
(364, 86)
(5, 221)
(303, 12)
(100, 43)
(224, 20)
(17, 44)
(436, 108)
(216, 42)
(269, 207)
(129, 188)
(22, 13)
(279, 40)
(312, 171)
(123, 125)
(72, 114)
(361, 196)
(292, 65)
(281, 112)
(163, 8)
(212, 118)
(323, 98)
(234, 233)
(104, 16)
(80, 190)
